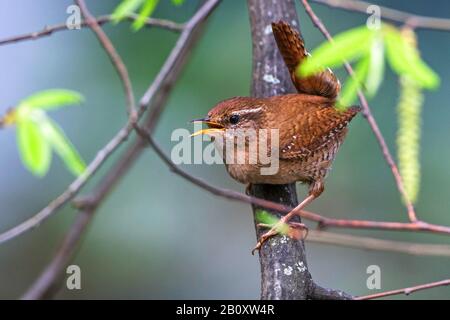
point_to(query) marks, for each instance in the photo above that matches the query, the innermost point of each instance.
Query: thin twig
(119, 138)
(49, 30)
(47, 282)
(367, 243)
(114, 56)
(418, 226)
(370, 119)
(406, 291)
(412, 20)
(322, 221)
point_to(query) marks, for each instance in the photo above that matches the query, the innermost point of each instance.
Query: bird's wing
(292, 48)
(313, 129)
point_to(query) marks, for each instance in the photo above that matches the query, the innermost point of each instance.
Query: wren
(310, 128)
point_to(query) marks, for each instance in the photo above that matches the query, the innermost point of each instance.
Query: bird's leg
(315, 190)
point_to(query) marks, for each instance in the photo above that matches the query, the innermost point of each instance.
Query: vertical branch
(284, 271)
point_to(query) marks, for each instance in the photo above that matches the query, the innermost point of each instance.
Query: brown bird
(310, 128)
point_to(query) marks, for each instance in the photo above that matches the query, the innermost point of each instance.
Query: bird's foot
(295, 230)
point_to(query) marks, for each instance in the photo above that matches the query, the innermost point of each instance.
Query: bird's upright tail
(292, 48)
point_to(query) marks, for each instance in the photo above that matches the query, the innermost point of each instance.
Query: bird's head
(234, 113)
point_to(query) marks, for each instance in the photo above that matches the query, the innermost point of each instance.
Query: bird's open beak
(214, 127)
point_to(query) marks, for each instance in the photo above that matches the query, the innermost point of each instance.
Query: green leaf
(146, 11)
(347, 45)
(424, 75)
(375, 71)
(62, 146)
(124, 8)
(351, 86)
(51, 99)
(394, 47)
(404, 59)
(265, 217)
(34, 149)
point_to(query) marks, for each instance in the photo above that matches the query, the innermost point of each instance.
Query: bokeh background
(157, 236)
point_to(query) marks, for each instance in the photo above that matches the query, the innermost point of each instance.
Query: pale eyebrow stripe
(245, 111)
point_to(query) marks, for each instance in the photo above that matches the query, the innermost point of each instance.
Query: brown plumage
(293, 50)
(311, 129)
(310, 132)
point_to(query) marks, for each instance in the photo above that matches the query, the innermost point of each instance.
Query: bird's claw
(263, 239)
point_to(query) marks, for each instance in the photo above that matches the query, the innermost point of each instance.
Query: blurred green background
(157, 236)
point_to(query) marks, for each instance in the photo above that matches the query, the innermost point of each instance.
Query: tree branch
(412, 20)
(49, 30)
(45, 284)
(319, 293)
(325, 222)
(284, 269)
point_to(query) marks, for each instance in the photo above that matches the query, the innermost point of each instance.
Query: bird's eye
(234, 119)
